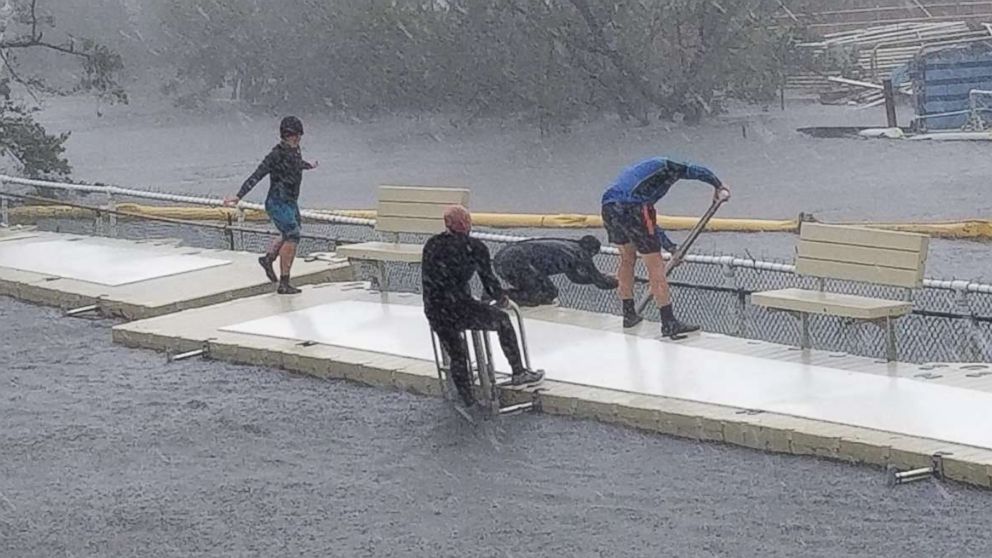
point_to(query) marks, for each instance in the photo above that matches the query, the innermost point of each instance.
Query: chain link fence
(952, 321)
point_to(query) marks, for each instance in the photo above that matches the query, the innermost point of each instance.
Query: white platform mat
(629, 363)
(94, 262)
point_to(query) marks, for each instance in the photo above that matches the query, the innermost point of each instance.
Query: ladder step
(186, 355)
(519, 387)
(82, 310)
(519, 408)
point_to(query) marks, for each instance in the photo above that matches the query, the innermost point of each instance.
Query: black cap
(290, 125)
(590, 244)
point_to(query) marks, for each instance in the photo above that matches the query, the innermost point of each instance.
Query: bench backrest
(415, 209)
(861, 254)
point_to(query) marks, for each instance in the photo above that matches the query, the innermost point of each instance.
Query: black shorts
(631, 222)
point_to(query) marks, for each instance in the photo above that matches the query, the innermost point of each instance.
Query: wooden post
(890, 103)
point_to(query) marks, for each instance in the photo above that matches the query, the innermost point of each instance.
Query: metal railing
(483, 368)
(952, 320)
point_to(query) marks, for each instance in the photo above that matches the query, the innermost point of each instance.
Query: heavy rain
(818, 254)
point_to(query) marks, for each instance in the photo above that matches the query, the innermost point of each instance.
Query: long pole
(679, 256)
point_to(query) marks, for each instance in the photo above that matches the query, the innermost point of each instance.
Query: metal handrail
(515, 309)
(729, 261)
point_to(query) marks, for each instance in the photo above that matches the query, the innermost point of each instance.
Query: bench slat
(898, 259)
(383, 251)
(860, 236)
(864, 273)
(409, 225)
(408, 209)
(831, 304)
(420, 194)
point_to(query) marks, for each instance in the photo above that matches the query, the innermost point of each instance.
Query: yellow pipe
(970, 228)
(189, 213)
(578, 221)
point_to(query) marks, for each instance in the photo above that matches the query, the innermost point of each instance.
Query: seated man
(528, 265)
(450, 259)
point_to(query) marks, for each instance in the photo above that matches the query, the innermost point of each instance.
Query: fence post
(970, 347)
(241, 227)
(111, 215)
(4, 209)
(739, 313)
(230, 233)
(888, 92)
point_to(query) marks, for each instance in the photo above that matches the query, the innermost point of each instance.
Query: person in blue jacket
(629, 217)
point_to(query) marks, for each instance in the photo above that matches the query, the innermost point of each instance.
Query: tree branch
(607, 44)
(35, 39)
(37, 42)
(34, 20)
(17, 77)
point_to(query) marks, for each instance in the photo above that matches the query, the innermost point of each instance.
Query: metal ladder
(482, 368)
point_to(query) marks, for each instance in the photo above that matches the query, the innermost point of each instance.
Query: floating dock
(708, 387)
(136, 279)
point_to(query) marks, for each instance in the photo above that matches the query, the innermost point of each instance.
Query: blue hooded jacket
(648, 181)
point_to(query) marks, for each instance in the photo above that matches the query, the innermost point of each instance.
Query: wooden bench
(864, 255)
(404, 209)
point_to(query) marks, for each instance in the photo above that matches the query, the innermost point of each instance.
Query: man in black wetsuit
(449, 261)
(285, 166)
(528, 265)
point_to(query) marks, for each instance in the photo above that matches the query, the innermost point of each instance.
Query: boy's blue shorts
(286, 217)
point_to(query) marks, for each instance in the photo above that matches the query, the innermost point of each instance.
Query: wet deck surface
(135, 279)
(708, 387)
(597, 354)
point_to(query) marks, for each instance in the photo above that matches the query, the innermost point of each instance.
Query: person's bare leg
(625, 287)
(625, 275)
(274, 247)
(287, 253)
(269, 258)
(658, 279)
(670, 325)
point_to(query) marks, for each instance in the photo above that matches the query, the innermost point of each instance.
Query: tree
(556, 60)
(24, 45)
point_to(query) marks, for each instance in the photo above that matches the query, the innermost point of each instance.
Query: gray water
(107, 451)
(775, 172)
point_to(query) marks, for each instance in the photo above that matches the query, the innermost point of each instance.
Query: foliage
(37, 152)
(558, 60)
(22, 139)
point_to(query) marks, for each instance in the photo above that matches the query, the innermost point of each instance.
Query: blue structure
(942, 80)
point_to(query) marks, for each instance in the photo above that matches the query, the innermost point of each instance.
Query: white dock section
(80, 260)
(135, 279)
(708, 387)
(612, 360)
